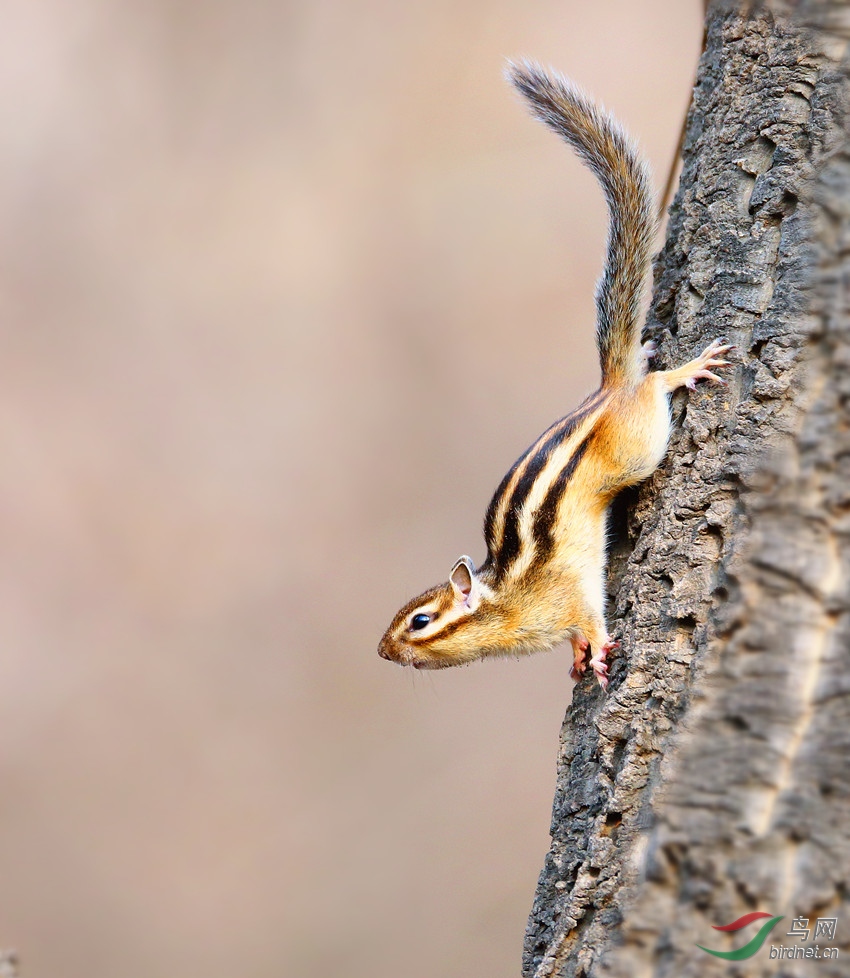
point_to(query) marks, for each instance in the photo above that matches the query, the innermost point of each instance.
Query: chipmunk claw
(691, 382)
(699, 368)
(599, 664)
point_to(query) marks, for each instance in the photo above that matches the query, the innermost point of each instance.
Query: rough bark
(712, 780)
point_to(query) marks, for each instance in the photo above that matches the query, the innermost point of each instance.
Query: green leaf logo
(750, 948)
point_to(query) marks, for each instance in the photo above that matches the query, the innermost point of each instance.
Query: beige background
(284, 289)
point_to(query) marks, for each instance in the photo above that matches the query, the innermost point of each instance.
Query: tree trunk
(712, 780)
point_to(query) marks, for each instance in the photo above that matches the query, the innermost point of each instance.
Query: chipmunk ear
(465, 585)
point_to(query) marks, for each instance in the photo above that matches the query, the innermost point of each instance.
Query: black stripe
(547, 513)
(490, 518)
(509, 548)
(492, 509)
(444, 632)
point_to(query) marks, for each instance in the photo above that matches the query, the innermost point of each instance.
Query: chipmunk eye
(419, 621)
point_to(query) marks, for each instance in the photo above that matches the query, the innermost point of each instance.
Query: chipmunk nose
(382, 652)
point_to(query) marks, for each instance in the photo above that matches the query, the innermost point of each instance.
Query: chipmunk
(542, 582)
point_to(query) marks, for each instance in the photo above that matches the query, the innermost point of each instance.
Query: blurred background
(284, 289)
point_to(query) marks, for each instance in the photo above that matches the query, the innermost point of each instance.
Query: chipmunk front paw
(698, 369)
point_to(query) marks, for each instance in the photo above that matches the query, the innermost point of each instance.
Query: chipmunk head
(448, 625)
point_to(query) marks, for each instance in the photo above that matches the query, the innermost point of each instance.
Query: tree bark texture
(712, 779)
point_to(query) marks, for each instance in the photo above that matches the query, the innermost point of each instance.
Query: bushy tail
(625, 179)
